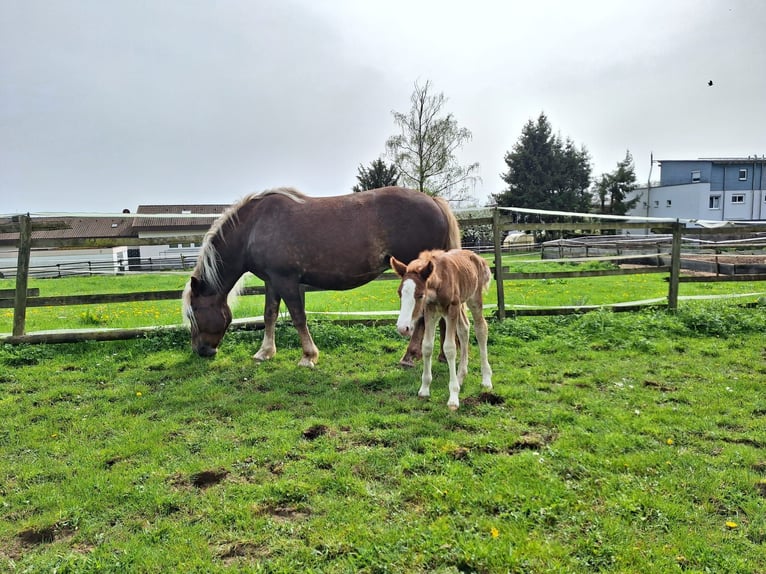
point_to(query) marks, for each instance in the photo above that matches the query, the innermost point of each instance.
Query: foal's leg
(450, 351)
(293, 297)
(270, 313)
(463, 329)
(428, 351)
(481, 329)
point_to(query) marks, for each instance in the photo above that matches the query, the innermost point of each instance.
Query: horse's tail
(453, 238)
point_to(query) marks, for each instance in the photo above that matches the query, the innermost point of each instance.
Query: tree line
(544, 170)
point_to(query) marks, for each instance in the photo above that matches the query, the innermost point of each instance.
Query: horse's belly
(337, 281)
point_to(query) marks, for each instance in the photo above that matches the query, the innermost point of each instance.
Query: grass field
(611, 443)
(373, 297)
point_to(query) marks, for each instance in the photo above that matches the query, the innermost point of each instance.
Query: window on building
(743, 175)
(696, 176)
(668, 203)
(656, 203)
(714, 202)
(186, 212)
(738, 198)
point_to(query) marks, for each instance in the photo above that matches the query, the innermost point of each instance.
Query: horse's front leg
(429, 333)
(450, 351)
(270, 313)
(463, 328)
(414, 348)
(294, 299)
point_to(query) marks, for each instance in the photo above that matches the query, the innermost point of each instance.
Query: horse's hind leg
(429, 333)
(270, 313)
(481, 329)
(463, 329)
(293, 297)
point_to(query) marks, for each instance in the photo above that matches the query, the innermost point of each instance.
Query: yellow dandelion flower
(494, 532)
(670, 441)
(139, 393)
(731, 525)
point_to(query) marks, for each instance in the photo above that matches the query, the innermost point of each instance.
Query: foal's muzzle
(405, 330)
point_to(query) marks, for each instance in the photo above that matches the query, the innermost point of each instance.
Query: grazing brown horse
(438, 284)
(289, 240)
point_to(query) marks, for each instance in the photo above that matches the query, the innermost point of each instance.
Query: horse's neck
(229, 263)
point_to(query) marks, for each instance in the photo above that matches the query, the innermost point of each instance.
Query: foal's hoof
(453, 408)
(305, 362)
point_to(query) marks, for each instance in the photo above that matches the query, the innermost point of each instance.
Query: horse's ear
(425, 273)
(399, 267)
(195, 284)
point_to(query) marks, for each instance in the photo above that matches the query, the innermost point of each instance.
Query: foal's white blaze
(404, 323)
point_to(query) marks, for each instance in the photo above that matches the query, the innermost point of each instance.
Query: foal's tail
(486, 274)
(453, 239)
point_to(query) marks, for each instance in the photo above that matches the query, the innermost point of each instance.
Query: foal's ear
(425, 273)
(399, 267)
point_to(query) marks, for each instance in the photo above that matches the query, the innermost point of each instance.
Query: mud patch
(207, 478)
(315, 431)
(43, 535)
(484, 399)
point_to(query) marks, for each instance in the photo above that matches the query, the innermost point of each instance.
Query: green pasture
(629, 442)
(373, 297)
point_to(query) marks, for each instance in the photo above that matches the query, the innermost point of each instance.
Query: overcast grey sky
(108, 104)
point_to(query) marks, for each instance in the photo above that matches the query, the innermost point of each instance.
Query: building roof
(167, 222)
(730, 160)
(126, 226)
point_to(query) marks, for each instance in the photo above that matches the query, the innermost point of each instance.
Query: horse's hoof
(261, 356)
(306, 363)
(453, 408)
(406, 363)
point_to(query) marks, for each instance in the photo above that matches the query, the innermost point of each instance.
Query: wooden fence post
(497, 240)
(22, 275)
(675, 266)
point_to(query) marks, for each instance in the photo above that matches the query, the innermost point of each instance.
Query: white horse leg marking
(481, 329)
(268, 346)
(450, 352)
(405, 324)
(428, 352)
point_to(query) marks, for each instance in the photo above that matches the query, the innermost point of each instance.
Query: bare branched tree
(424, 151)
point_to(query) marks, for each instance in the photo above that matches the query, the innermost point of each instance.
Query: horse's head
(412, 292)
(208, 315)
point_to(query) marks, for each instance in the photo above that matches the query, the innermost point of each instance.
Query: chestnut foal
(438, 284)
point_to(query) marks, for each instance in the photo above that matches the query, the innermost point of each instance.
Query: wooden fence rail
(500, 222)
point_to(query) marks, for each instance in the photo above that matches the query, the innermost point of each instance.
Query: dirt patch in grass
(36, 536)
(485, 399)
(208, 478)
(241, 551)
(315, 431)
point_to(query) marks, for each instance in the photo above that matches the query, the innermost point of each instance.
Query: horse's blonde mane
(208, 267)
